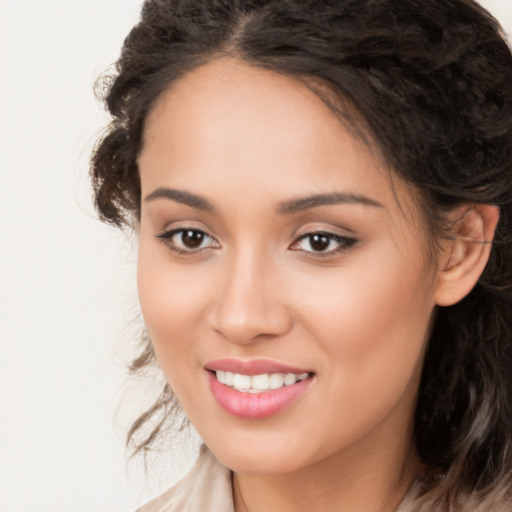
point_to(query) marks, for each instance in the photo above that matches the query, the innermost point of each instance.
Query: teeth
(258, 383)
(221, 376)
(290, 379)
(242, 382)
(276, 380)
(230, 378)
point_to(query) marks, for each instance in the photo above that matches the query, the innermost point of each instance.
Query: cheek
(171, 301)
(372, 320)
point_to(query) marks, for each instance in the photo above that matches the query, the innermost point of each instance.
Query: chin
(261, 453)
(259, 462)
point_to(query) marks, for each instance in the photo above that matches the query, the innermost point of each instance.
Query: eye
(322, 243)
(185, 240)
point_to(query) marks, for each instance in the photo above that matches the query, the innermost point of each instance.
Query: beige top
(207, 487)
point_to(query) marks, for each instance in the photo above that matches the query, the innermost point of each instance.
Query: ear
(464, 257)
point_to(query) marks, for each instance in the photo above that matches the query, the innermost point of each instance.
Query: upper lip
(253, 366)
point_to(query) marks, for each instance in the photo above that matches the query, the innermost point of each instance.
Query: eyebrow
(313, 201)
(180, 196)
(284, 208)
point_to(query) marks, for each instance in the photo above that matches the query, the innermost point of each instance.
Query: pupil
(192, 239)
(319, 242)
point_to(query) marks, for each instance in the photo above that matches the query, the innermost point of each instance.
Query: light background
(67, 283)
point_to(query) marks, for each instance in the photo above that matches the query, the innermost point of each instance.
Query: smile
(256, 389)
(258, 383)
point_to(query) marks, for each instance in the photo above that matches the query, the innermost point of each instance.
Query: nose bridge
(248, 304)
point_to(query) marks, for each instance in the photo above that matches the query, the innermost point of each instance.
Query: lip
(253, 367)
(255, 406)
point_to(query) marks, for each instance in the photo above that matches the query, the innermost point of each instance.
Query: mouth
(258, 383)
(256, 389)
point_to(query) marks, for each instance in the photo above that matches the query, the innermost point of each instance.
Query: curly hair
(431, 82)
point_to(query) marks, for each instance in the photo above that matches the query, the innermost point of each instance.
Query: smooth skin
(268, 231)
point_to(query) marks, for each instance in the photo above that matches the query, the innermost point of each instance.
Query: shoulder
(206, 487)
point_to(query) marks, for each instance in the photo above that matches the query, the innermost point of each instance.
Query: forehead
(228, 123)
(224, 101)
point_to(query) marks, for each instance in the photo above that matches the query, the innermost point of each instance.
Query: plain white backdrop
(67, 283)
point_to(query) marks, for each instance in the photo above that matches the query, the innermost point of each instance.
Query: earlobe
(466, 254)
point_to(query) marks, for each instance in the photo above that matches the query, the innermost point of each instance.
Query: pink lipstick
(258, 388)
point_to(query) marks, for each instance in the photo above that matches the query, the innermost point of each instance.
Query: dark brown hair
(432, 83)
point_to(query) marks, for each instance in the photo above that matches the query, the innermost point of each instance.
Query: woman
(322, 193)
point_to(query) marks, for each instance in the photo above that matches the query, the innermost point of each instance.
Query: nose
(249, 305)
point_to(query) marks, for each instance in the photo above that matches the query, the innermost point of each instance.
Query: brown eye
(322, 243)
(319, 242)
(192, 239)
(188, 240)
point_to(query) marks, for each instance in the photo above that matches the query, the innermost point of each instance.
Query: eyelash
(343, 242)
(167, 238)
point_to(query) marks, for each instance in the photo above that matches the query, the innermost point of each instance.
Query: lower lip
(255, 406)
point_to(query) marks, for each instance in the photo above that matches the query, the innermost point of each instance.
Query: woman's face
(272, 243)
